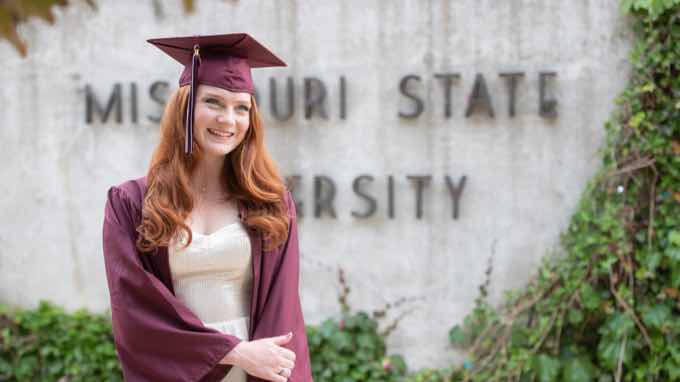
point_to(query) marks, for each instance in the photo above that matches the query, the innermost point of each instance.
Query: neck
(207, 178)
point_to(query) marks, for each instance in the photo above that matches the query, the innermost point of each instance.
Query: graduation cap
(218, 60)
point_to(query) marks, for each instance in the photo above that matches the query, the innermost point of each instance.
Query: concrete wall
(523, 174)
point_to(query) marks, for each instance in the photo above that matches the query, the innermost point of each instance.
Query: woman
(201, 255)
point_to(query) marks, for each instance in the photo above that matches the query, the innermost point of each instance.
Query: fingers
(284, 339)
(283, 376)
(277, 378)
(279, 360)
(287, 353)
(286, 372)
(287, 364)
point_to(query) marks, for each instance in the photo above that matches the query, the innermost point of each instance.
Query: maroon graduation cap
(217, 60)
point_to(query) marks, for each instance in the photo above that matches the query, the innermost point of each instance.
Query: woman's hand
(263, 358)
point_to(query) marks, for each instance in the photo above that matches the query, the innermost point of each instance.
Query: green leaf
(674, 238)
(648, 87)
(546, 368)
(365, 341)
(637, 120)
(618, 325)
(457, 336)
(675, 275)
(656, 316)
(608, 351)
(575, 316)
(578, 370)
(589, 297)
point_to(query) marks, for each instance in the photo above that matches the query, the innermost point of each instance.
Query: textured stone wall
(386, 68)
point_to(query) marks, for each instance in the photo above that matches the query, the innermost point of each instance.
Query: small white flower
(619, 189)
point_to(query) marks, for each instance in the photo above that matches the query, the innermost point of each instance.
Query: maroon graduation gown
(157, 337)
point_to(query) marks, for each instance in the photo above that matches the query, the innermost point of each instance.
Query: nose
(227, 117)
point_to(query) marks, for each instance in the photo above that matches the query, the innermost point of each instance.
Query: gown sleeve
(156, 336)
(282, 312)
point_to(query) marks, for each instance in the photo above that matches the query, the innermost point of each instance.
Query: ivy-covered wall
(610, 309)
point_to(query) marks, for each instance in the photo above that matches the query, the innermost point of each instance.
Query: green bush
(47, 344)
(352, 349)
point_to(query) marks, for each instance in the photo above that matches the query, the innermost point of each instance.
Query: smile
(220, 133)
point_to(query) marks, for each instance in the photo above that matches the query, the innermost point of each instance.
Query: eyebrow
(209, 94)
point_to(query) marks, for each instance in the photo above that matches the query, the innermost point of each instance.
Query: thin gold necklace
(222, 198)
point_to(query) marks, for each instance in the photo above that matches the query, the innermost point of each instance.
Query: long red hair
(250, 176)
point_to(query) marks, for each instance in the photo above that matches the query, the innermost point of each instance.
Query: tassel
(189, 125)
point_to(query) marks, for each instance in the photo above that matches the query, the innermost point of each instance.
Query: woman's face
(221, 119)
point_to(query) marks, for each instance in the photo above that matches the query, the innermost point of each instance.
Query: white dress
(213, 278)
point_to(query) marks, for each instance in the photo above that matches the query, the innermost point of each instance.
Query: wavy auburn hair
(249, 176)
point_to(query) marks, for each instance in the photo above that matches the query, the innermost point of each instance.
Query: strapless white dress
(213, 278)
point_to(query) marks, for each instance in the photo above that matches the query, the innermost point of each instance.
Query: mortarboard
(218, 60)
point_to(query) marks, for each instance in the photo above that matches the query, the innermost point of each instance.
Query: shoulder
(124, 200)
(132, 189)
(290, 203)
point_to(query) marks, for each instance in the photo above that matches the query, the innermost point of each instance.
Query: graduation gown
(157, 337)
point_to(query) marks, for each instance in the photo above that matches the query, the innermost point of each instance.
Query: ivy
(352, 348)
(48, 344)
(609, 309)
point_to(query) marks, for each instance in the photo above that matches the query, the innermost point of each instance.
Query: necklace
(204, 197)
(203, 190)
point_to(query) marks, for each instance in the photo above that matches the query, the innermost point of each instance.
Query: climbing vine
(609, 309)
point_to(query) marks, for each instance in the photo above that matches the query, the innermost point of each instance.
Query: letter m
(94, 107)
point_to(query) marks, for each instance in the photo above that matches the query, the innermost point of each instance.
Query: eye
(212, 101)
(244, 108)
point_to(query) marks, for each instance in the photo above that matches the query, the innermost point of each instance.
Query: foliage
(352, 348)
(48, 344)
(609, 309)
(15, 12)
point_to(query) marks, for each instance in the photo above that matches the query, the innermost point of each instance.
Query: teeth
(221, 134)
